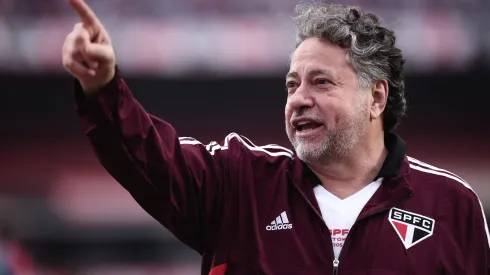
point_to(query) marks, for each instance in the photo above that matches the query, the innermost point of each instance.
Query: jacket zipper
(336, 261)
(336, 266)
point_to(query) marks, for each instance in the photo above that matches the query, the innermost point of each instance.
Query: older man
(347, 200)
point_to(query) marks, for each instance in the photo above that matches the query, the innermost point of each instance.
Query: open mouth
(307, 126)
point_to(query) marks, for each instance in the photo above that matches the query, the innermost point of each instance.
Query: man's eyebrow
(292, 75)
(313, 72)
(316, 72)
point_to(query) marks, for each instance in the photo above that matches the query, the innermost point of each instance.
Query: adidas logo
(280, 223)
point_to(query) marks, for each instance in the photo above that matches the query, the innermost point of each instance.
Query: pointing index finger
(85, 13)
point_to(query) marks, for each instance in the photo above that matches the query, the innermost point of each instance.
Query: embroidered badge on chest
(410, 227)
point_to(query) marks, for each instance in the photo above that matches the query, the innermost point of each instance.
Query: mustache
(307, 115)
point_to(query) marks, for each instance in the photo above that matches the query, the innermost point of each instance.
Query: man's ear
(379, 93)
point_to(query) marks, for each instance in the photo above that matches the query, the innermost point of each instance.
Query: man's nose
(301, 99)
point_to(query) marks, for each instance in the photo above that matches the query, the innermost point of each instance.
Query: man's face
(326, 114)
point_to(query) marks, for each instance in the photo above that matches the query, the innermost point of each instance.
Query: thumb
(99, 52)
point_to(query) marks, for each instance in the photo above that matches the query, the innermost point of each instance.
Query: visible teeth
(301, 123)
(307, 126)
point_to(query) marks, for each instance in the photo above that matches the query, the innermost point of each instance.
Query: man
(347, 201)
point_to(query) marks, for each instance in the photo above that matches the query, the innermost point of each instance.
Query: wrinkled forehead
(320, 54)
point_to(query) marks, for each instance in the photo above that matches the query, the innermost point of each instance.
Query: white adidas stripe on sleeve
(269, 146)
(270, 149)
(426, 165)
(190, 142)
(440, 172)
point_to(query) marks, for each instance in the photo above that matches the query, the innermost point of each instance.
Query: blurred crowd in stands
(31, 9)
(190, 33)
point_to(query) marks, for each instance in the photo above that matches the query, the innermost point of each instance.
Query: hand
(87, 52)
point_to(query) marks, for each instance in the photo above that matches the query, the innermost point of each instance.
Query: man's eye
(290, 84)
(322, 81)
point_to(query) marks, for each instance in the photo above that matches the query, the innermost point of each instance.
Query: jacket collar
(394, 171)
(392, 166)
(394, 160)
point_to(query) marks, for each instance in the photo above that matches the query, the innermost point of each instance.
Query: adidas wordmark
(280, 223)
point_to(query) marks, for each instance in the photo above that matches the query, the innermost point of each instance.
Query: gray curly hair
(370, 49)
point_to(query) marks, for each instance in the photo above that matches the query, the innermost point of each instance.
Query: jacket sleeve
(478, 238)
(178, 181)
(469, 228)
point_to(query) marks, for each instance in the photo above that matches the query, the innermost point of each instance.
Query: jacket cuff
(93, 104)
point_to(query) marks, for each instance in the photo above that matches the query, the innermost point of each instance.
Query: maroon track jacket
(225, 201)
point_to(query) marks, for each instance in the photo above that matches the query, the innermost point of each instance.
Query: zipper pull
(335, 267)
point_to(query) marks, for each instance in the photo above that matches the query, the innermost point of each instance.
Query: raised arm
(181, 183)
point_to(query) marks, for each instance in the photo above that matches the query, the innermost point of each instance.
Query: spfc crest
(411, 228)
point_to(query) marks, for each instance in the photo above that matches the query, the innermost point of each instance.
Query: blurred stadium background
(209, 67)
